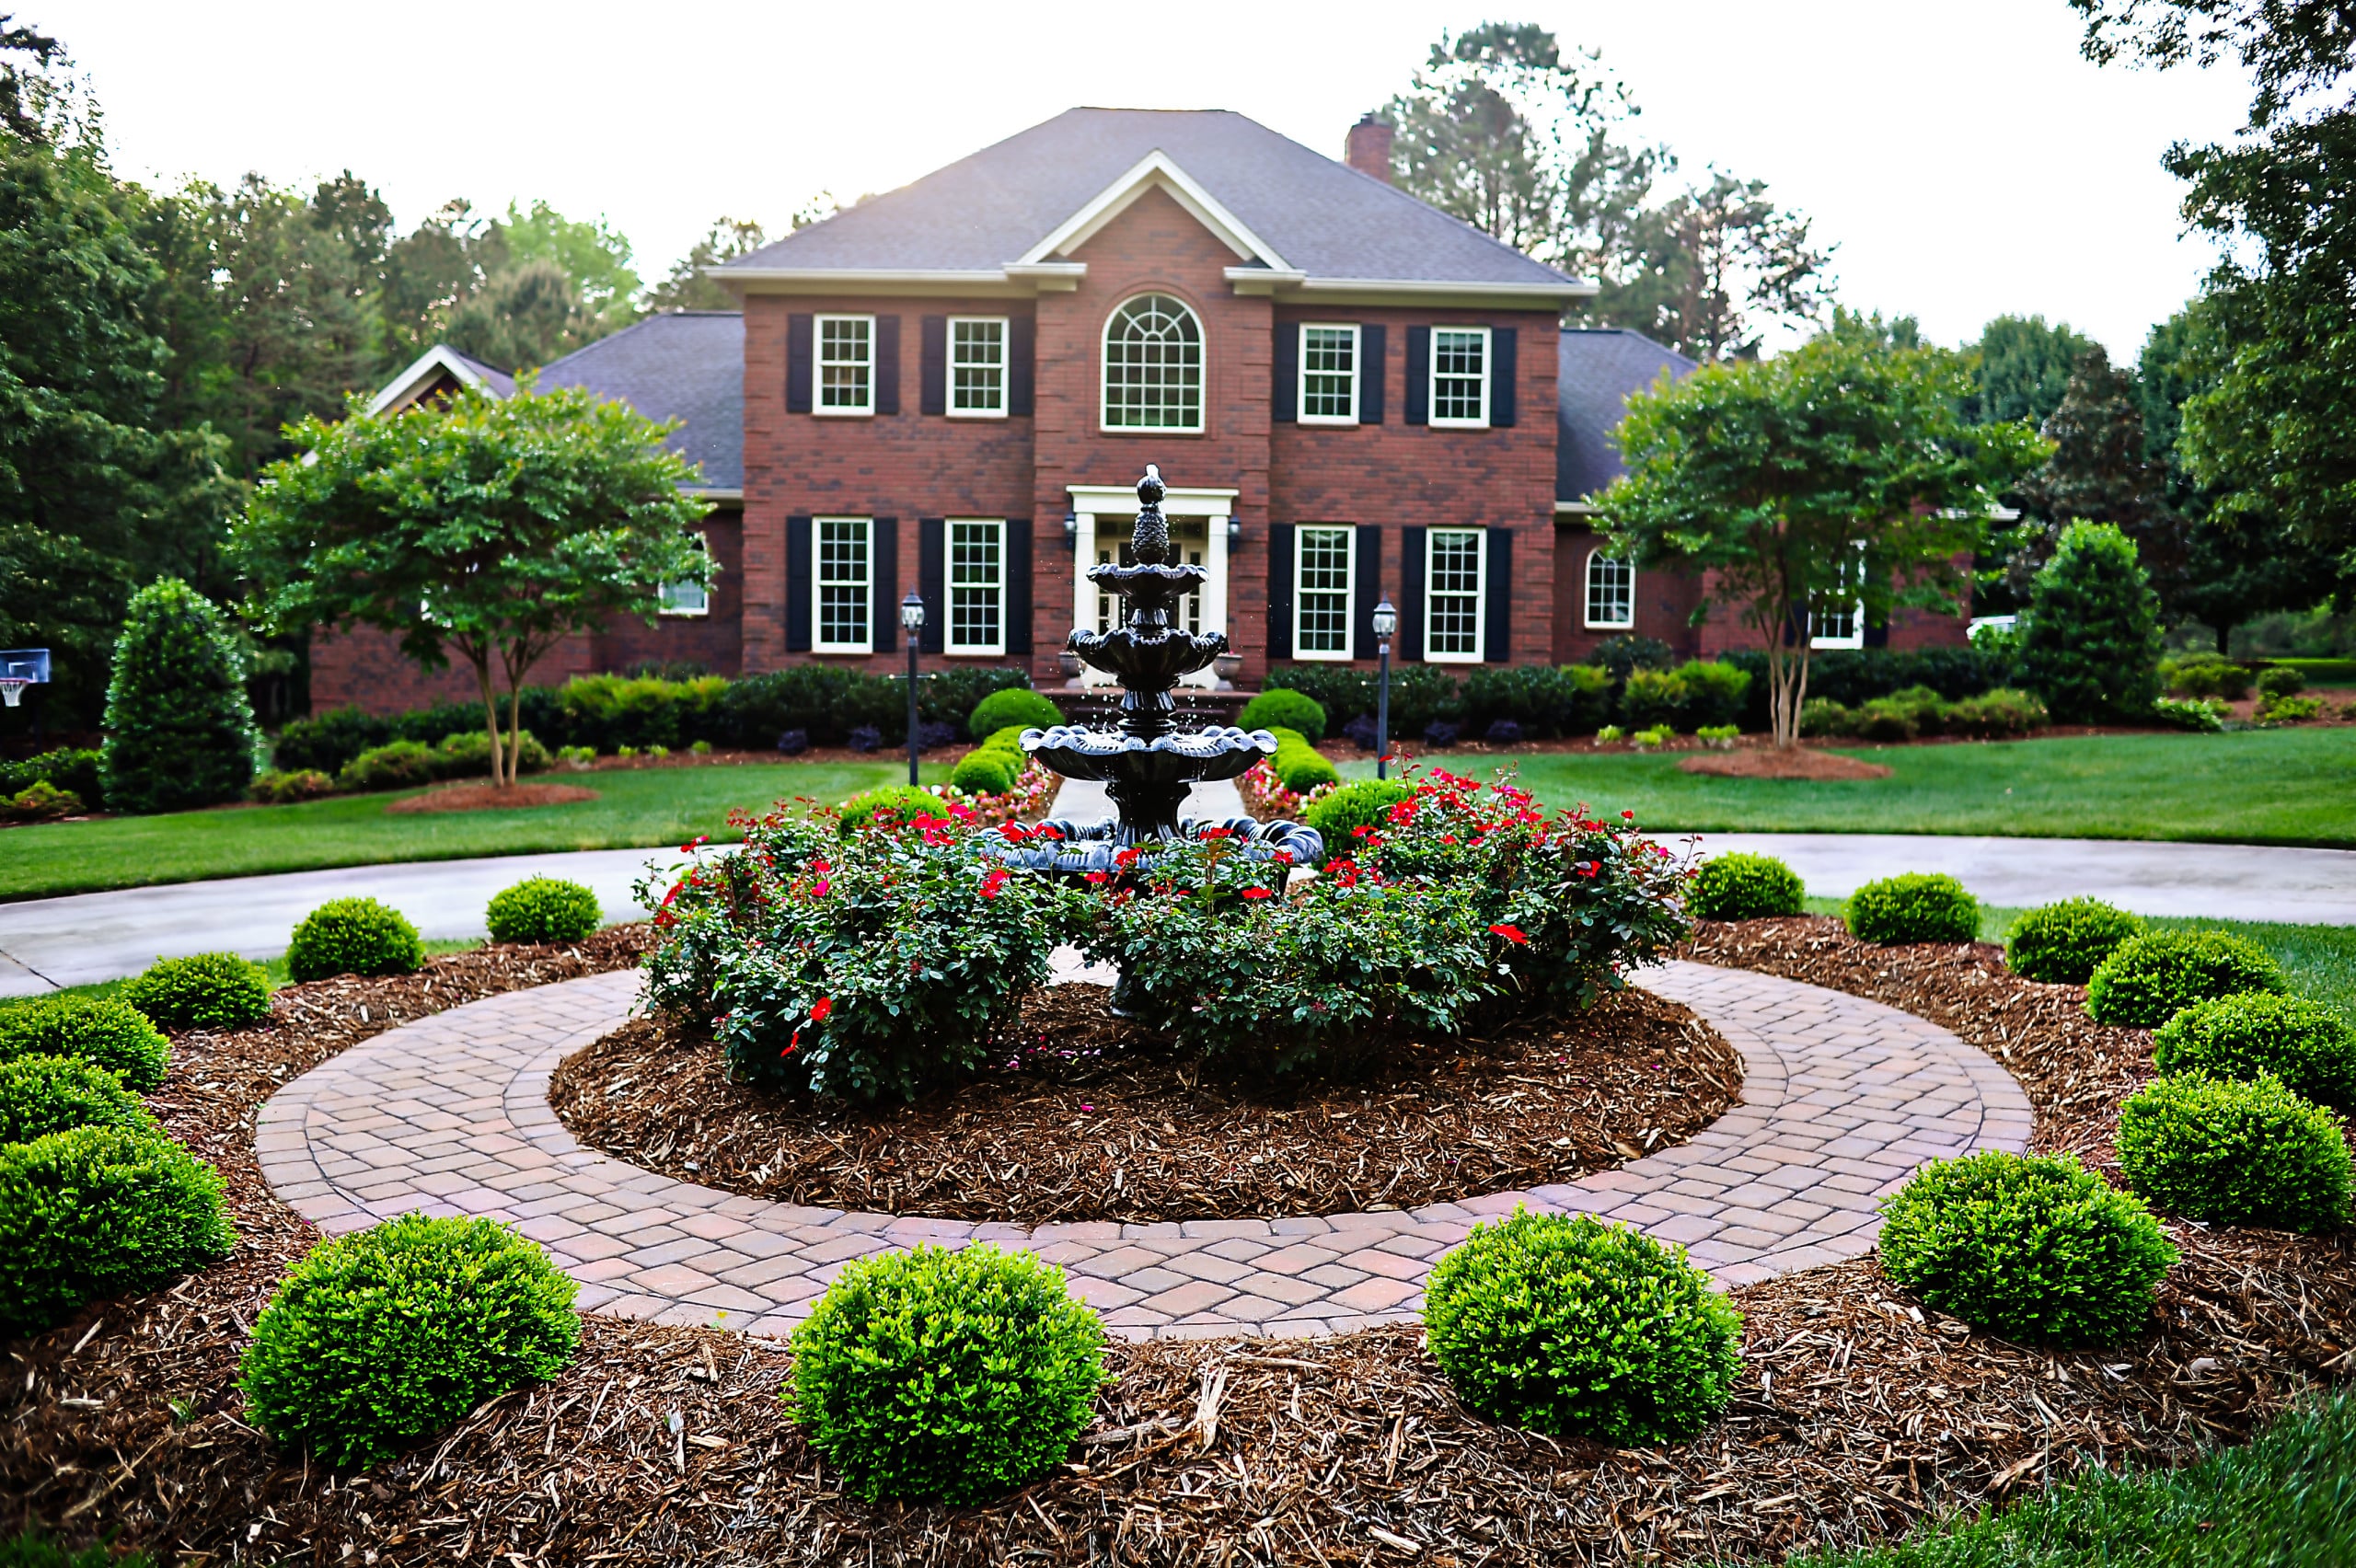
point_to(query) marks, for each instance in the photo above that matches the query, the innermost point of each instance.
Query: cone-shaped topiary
(353, 936)
(1745, 887)
(2091, 646)
(180, 730)
(40, 1095)
(106, 1031)
(2065, 944)
(101, 1211)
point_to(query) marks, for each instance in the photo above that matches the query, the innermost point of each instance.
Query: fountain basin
(1221, 751)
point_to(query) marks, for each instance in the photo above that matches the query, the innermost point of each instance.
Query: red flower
(992, 883)
(1256, 893)
(692, 845)
(1512, 934)
(1100, 877)
(1630, 815)
(821, 887)
(820, 1009)
(1126, 858)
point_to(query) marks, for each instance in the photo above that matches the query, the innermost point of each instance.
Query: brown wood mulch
(1799, 762)
(1858, 1411)
(1090, 1117)
(488, 798)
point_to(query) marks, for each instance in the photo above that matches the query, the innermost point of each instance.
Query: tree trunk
(515, 729)
(2225, 638)
(1786, 673)
(481, 661)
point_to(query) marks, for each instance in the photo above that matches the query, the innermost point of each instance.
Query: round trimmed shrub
(104, 1030)
(1744, 887)
(40, 1095)
(209, 990)
(2237, 1153)
(1281, 707)
(899, 803)
(2149, 979)
(386, 1336)
(1917, 907)
(2065, 944)
(955, 1376)
(983, 772)
(2036, 1248)
(1339, 814)
(1299, 766)
(2305, 1044)
(1015, 708)
(353, 936)
(1009, 740)
(543, 909)
(1576, 1328)
(101, 1211)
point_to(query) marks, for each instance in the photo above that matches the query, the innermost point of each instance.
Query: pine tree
(2092, 645)
(180, 730)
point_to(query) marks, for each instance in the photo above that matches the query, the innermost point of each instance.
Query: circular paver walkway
(1843, 1097)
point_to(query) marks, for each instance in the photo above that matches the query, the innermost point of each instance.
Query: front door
(1197, 531)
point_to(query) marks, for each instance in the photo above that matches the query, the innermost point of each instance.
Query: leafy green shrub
(1622, 656)
(1718, 734)
(1339, 813)
(986, 771)
(209, 990)
(2305, 1044)
(1887, 720)
(101, 1211)
(1658, 735)
(2235, 1153)
(1609, 734)
(2091, 644)
(1421, 695)
(543, 909)
(2032, 1247)
(180, 730)
(1545, 699)
(380, 1338)
(1299, 766)
(2149, 979)
(353, 936)
(31, 1550)
(1821, 718)
(1999, 713)
(2206, 674)
(1696, 693)
(891, 803)
(2280, 680)
(106, 1031)
(957, 1377)
(2063, 943)
(576, 757)
(1744, 887)
(466, 753)
(1279, 709)
(325, 742)
(1008, 739)
(2201, 717)
(274, 788)
(395, 765)
(1577, 1328)
(1017, 708)
(40, 1095)
(71, 769)
(1916, 908)
(610, 710)
(40, 802)
(2288, 709)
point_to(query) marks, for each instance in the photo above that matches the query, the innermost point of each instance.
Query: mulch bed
(488, 798)
(1799, 762)
(1096, 1119)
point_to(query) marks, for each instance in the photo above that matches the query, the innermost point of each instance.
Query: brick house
(953, 387)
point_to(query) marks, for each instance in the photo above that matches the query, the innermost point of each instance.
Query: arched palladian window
(1611, 591)
(1153, 366)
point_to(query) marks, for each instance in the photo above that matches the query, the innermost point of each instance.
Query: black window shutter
(1419, 375)
(1878, 633)
(934, 397)
(1410, 590)
(799, 368)
(1504, 380)
(1018, 584)
(1283, 375)
(884, 585)
(1279, 590)
(1373, 365)
(932, 582)
(887, 364)
(1018, 365)
(1497, 636)
(1367, 589)
(798, 589)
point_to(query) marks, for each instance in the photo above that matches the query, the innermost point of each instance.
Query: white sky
(1966, 159)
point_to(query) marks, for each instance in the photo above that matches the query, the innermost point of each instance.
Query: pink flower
(1512, 934)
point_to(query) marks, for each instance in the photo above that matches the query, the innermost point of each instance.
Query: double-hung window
(1455, 564)
(1461, 376)
(1611, 591)
(843, 586)
(1329, 375)
(845, 365)
(1321, 566)
(977, 587)
(977, 366)
(1836, 618)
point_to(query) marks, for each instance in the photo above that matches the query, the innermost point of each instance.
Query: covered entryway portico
(1198, 520)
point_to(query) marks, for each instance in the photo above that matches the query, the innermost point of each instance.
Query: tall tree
(686, 288)
(594, 255)
(1708, 270)
(2022, 368)
(26, 57)
(2101, 471)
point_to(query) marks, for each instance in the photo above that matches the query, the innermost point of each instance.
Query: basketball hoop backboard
(21, 667)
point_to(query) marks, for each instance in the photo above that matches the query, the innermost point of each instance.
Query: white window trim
(1349, 592)
(1480, 601)
(1104, 366)
(1300, 374)
(949, 643)
(1857, 639)
(667, 609)
(817, 588)
(818, 368)
(1005, 369)
(1587, 595)
(1431, 381)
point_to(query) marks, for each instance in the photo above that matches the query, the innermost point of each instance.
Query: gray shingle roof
(686, 365)
(500, 383)
(1596, 370)
(1323, 217)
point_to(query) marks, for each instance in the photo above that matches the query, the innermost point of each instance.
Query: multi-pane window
(846, 365)
(977, 365)
(977, 587)
(1837, 617)
(1452, 593)
(1611, 591)
(688, 598)
(1153, 366)
(1459, 375)
(1321, 593)
(1329, 375)
(844, 597)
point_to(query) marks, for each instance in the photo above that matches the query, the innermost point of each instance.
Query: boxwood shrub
(1339, 813)
(353, 936)
(1744, 887)
(543, 909)
(104, 1030)
(1916, 908)
(2305, 1044)
(2063, 943)
(1015, 708)
(1299, 766)
(2149, 979)
(985, 771)
(1577, 1328)
(956, 1377)
(207, 991)
(395, 765)
(1280, 707)
(40, 1095)
(892, 804)
(2237, 1153)
(383, 1337)
(101, 1211)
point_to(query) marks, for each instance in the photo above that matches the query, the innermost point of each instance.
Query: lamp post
(1386, 621)
(912, 622)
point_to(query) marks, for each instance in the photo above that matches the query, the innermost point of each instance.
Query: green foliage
(1744, 887)
(377, 1339)
(1577, 1328)
(1015, 707)
(2035, 1248)
(2305, 1044)
(1280, 707)
(1299, 766)
(1545, 699)
(40, 1095)
(985, 771)
(466, 753)
(395, 765)
(2091, 647)
(106, 1031)
(889, 805)
(1338, 813)
(179, 731)
(40, 802)
(2288, 709)
(543, 909)
(2063, 943)
(353, 936)
(609, 711)
(2206, 674)
(2203, 716)
(276, 787)
(2000, 713)
(71, 769)
(2149, 979)
(208, 990)
(954, 1376)
(2021, 369)
(1420, 693)
(32, 1551)
(101, 1211)
(2235, 1153)
(327, 742)
(1916, 908)
(1698, 693)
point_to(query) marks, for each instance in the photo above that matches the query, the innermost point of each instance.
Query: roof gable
(439, 366)
(1155, 171)
(1596, 368)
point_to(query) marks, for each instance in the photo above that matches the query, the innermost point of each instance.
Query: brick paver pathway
(1841, 1099)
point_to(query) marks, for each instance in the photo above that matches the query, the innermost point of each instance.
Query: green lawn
(634, 809)
(2285, 785)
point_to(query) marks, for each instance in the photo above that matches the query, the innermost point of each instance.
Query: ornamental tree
(490, 529)
(1838, 477)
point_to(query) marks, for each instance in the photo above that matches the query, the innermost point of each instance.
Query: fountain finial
(1149, 542)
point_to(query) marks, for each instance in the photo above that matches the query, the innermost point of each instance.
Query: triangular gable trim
(410, 383)
(1156, 171)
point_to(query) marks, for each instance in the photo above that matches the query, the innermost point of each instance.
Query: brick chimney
(1369, 150)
